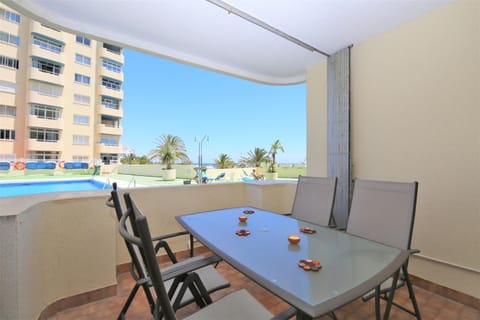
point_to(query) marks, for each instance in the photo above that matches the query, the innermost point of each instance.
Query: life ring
(19, 165)
(61, 164)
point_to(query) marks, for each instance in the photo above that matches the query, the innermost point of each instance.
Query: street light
(200, 158)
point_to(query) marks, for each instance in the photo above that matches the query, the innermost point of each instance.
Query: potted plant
(272, 173)
(169, 150)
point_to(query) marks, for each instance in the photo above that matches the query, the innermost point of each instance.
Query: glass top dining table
(350, 266)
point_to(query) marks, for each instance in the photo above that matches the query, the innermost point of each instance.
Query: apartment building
(60, 94)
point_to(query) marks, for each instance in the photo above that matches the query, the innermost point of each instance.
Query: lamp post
(200, 160)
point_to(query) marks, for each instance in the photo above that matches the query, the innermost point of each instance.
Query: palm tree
(224, 161)
(169, 149)
(256, 157)
(276, 146)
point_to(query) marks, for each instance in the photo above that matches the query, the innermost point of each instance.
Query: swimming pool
(34, 187)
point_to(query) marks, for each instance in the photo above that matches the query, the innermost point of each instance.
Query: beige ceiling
(200, 33)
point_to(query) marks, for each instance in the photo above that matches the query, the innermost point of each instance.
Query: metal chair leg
(411, 293)
(391, 295)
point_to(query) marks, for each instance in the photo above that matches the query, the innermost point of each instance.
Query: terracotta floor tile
(432, 307)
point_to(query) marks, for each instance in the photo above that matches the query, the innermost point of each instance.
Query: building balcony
(103, 148)
(46, 31)
(36, 145)
(104, 91)
(10, 50)
(110, 74)
(103, 52)
(101, 109)
(34, 121)
(7, 147)
(51, 100)
(36, 74)
(102, 128)
(9, 75)
(37, 51)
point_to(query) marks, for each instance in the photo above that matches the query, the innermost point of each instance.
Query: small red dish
(309, 265)
(307, 230)
(242, 232)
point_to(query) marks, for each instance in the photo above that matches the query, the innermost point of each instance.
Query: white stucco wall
(415, 109)
(58, 245)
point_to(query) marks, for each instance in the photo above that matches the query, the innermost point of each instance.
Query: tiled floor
(432, 307)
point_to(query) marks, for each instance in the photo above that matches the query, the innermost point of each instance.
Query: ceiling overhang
(205, 34)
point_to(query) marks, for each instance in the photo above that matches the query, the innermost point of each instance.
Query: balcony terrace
(413, 91)
(47, 31)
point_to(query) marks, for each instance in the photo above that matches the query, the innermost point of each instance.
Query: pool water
(26, 188)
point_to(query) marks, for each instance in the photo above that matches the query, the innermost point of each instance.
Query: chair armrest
(170, 235)
(188, 265)
(109, 203)
(414, 251)
(287, 314)
(164, 244)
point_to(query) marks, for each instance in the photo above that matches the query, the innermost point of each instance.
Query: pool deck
(123, 180)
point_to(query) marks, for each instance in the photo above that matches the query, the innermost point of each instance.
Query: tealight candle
(293, 239)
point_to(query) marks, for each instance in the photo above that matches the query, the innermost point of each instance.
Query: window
(44, 112)
(7, 86)
(46, 89)
(9, 62)
(10, 16)
(44, 155)
(82, 59)
(80, 78)
(111, 48)
(80, 140)
(109, 141)
(47, 43)
(109, 121)
(44, 135)
(78, 158)
(80, 119)
(9, 38)
(8, 110)
(7, 134)
(111, 84)
(111, 103)
(112, 65)
(78, 98)
(109, 158)
(46, 66)
(83, 40)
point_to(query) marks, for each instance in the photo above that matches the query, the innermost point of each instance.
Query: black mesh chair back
(239, 305)
(190, 280)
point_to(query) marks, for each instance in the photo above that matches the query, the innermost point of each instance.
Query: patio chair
(314, 200)
(195, 273)
(239, 305)
(217, 178)
(384, 211)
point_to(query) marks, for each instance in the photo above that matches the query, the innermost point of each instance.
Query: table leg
(378, 315)
(303, 316)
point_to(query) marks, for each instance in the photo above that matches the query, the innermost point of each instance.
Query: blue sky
(166, 97)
